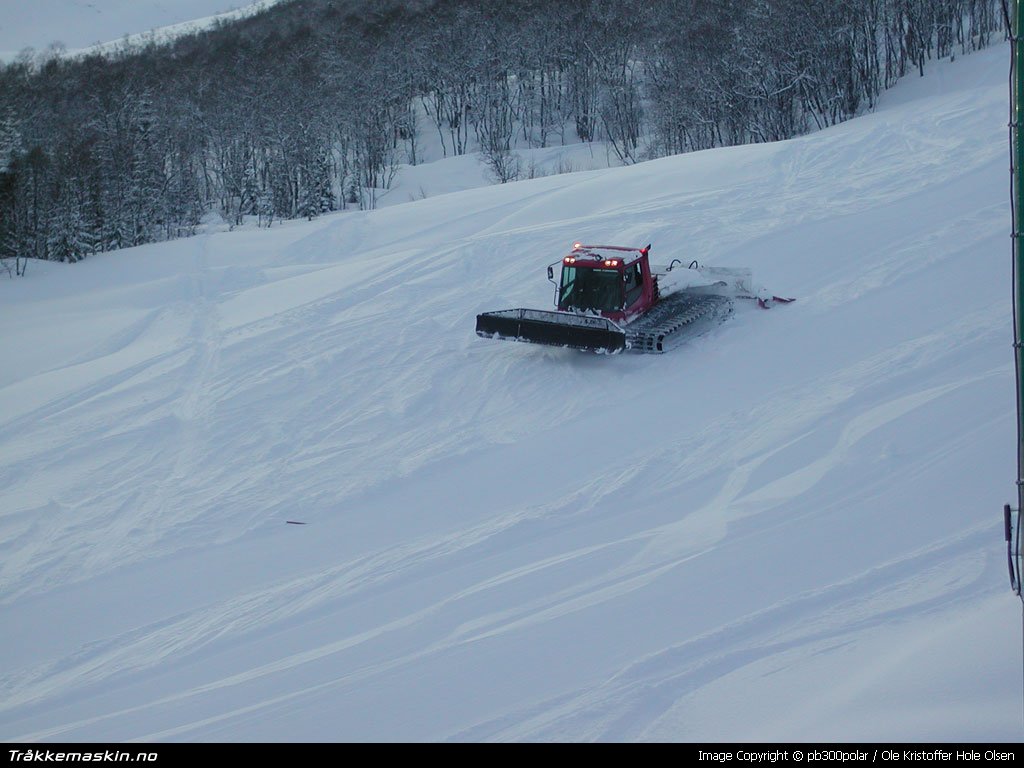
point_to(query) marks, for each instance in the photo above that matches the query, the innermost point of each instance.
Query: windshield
(589, 288)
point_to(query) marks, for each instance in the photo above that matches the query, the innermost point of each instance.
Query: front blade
(557, 329)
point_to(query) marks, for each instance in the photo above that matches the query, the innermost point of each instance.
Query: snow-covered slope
(81, 24)
(789, 528)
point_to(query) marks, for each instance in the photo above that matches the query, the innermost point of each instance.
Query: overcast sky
(80, 23)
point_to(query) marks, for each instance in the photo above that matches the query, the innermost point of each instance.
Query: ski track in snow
(514, 543)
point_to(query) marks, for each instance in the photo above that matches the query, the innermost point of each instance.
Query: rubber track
(671, 321)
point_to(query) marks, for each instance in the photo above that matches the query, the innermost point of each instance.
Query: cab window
(634, 284)
(591, 288)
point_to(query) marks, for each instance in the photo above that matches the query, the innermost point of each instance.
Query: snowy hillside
(789, 528)
(79, 24)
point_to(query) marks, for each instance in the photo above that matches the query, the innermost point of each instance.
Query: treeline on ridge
(313, 105)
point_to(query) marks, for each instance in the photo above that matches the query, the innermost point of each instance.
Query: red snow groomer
(610, 298)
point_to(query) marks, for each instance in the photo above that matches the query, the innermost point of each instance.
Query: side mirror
(551, 273)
